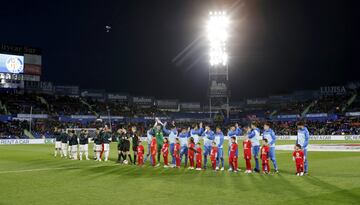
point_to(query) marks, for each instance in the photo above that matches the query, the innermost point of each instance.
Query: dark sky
(276, 46)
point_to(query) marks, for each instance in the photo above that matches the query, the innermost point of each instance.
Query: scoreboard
(19, 64)
(11, 63)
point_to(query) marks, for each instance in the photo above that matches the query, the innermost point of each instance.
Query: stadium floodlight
(217, 33)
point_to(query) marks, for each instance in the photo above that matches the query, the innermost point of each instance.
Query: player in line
(219, 139)
(254, 136)
(208, 137)
(196, 132)
(64, 143)
(234, 131)
(303, 141)
(183, 138)
(57, 136)
(98, 144)
(83, 147)
(106, 139)
(73, 143)
(172, 135)
(149, 139)
(270, 136)
(157, 131)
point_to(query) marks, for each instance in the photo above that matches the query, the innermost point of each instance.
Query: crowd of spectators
(293, 108)
(330, 104)
(343, 126)
(55, 106)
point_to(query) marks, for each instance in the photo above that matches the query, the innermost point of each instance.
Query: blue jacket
(219, 139)
(196, 133)
(208, 138)
(303, 137)
(183, 137)
(172, 134)
(270, 136)
(235, 133)
(255, 137)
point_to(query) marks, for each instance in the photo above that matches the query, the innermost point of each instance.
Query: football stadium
(181, 102)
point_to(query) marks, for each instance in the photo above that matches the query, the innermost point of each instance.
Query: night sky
(276, 46)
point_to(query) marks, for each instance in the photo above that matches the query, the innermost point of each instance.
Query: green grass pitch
(29, 174)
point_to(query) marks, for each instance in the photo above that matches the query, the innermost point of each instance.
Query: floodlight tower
(217, 34)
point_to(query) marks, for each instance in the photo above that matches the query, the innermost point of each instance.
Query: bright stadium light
(217, 33)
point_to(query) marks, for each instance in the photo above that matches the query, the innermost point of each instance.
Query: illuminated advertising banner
(256, 101)
(32, 64)
(11, 63)
(117, 97)
(32, 69)
(190, 106)
(167, 104)
(143, 101)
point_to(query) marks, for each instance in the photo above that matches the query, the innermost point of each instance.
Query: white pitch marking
(32, 170)
(49, 169)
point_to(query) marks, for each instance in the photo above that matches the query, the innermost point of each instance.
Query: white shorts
(106, 147)
(64, 146)
(74, 148)
(84, 148)
(58, 145)
(98, 147)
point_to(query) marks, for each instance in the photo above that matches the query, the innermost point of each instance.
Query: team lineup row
(185, 144)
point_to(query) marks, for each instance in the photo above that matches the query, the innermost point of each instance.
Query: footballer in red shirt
(247, 154)
(177, 153)
(213, 155)
(153, 148)
(140, 152)
(298, 157)
(265, 149)
(191, 152)
(198, 156)
(233, 156)
(165, 152)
